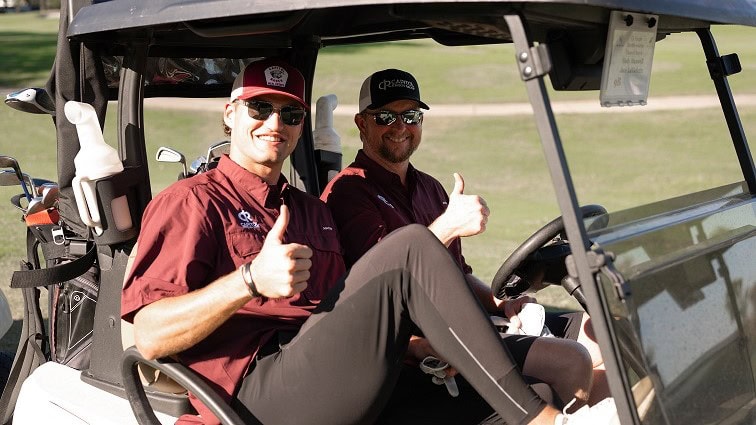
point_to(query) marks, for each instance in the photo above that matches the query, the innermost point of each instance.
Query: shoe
(601, 413)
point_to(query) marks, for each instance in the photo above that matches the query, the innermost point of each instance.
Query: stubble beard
(397, 156)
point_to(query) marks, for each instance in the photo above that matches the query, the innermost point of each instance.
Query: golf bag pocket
(72, 314)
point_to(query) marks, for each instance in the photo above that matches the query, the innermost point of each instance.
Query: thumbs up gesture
(281, 270)
(466, 215)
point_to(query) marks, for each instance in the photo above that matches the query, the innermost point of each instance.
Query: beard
(399, 155)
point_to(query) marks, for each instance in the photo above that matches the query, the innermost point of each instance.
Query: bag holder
(131, 182)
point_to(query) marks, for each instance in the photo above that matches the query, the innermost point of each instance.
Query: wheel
(539, 261)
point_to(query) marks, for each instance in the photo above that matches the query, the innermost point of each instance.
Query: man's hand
(419, 348)
(513, 307)
(466, 215)
(281, 270)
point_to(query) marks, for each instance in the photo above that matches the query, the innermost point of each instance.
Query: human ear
(228, 115)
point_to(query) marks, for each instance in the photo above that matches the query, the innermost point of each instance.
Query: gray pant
(344, 363)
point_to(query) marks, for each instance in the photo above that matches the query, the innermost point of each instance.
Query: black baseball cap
(387, 86)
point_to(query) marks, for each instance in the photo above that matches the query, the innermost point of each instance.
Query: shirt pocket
(324, 247)
(244, 246)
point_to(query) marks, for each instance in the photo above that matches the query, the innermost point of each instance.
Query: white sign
(628, 59)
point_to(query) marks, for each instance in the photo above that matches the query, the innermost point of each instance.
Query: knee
(415, 231)
(414, 236)
(573, 361)
(578, 368)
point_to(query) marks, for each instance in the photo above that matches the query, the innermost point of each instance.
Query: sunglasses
(409, 117)
(261, 110)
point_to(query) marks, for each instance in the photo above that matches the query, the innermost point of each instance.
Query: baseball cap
(387, 86)
(269, 76)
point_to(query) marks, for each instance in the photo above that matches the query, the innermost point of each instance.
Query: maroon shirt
(368, 202)
(202, 228)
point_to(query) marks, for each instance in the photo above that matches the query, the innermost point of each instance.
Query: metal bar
(729, 109)
(576, 233)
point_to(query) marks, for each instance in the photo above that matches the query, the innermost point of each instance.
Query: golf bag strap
(35, 276)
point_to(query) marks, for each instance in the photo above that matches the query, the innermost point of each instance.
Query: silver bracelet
(246, 272)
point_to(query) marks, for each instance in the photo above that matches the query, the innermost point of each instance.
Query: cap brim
(263, 91)
(422, 104)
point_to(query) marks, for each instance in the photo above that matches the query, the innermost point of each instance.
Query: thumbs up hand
(466, 215)
(281, 270)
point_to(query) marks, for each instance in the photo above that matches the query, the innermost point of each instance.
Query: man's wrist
(246, 272)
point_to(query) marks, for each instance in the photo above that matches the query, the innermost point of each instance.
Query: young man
(381, 191)
(237, 275)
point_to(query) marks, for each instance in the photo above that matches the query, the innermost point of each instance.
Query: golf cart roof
(343, 22)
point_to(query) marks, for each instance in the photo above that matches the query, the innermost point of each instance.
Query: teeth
(270, 138)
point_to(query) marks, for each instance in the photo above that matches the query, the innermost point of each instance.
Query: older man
(381, 191)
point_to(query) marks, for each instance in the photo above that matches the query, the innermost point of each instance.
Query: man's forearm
(483, 293)
(174, 324)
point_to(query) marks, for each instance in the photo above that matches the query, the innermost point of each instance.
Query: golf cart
(654, 278)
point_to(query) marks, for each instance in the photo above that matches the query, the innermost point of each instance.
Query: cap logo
(276, 76)
(390, 84)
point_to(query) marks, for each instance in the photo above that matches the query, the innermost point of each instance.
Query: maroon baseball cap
(269, 76)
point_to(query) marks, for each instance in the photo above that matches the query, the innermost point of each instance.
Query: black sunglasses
(409, 117)
(261, 110)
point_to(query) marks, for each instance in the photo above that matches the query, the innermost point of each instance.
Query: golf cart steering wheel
(540, 262)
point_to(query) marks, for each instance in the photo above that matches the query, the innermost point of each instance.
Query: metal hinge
(535, 62)
(601, 262)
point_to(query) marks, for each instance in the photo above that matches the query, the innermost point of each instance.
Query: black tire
(6, 362)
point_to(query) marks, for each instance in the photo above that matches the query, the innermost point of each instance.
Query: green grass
(501, 158)
(28, 50)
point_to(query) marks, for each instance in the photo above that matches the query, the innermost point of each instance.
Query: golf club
(166, 154)
(32, 100)
(10, 162)
(35, 205)
(16, 201)
(49, 193)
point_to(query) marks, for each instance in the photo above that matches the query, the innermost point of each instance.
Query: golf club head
(16, 202)
(33, 100)
(35, 206)
(197, 165)
(166, 154)
(8, 178)
(218, 149)
(50, 194)
(10, 162)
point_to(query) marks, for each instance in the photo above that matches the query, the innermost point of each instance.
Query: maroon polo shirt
(368, 202)
(205, 227)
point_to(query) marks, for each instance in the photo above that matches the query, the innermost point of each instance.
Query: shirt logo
(327, 228)
(245, 220)
(385, 201)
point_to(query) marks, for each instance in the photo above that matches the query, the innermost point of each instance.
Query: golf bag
(71, 278)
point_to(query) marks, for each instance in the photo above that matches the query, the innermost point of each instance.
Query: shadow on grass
(26, 57)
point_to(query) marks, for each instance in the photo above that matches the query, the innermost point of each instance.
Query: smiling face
(262, 146)
(390, 145)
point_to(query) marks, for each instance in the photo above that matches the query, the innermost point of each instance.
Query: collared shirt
(202, 228)
(368, 202)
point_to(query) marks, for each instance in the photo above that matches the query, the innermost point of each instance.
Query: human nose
(274, 120)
